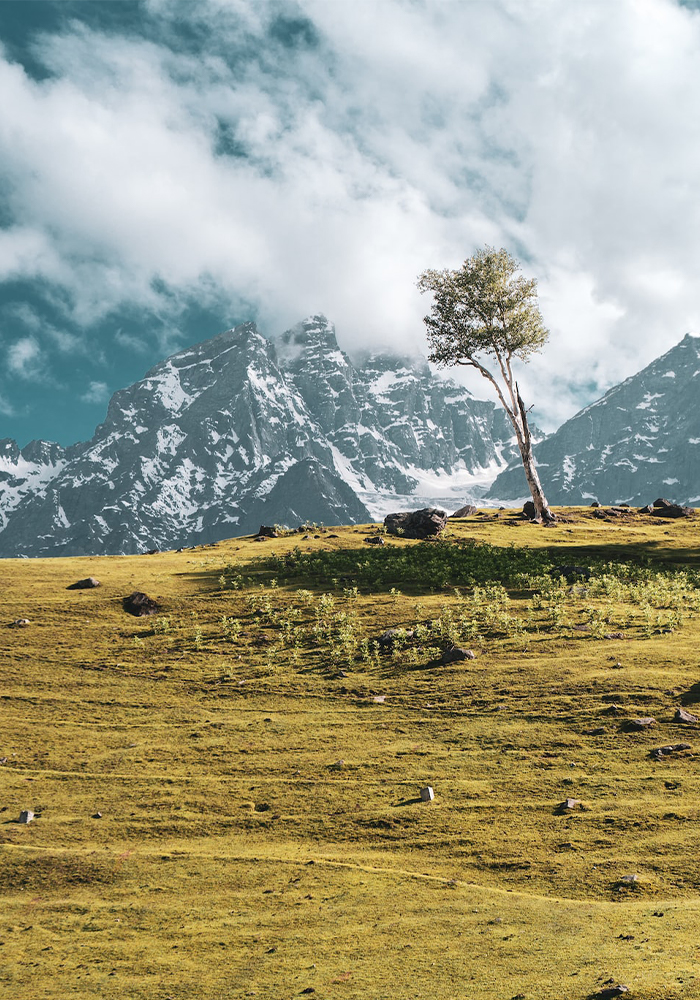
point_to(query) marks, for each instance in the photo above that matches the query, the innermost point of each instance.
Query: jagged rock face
(387, 418)
(640, 440)
(23, 473)
(189, 453)
(239, 431)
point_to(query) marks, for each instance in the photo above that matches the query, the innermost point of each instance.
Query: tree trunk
(533, 480)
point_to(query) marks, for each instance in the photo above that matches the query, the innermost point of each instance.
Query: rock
(379, 699)
(21, 622)
(660, 502)
(465, 511)
(372, 540)
(597, 731)
(612, 710)
(529, 510)
(424, 523)
(646, 510)
(456, 653)
(262, 538)
(387, 639)
(660, 752)
(567, 805)
(571, 573)
(615, 635)
(637, 725)
(152, 552)
(427, 794)
(595, 503)
(673, 510)
(267, 532)
(629, 879)
(611, 991)
(97, 815)
(140, 604)
(26, 816)
(87, 584)
(683, 715)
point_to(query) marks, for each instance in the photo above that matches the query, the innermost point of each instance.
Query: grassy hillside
(257, 757)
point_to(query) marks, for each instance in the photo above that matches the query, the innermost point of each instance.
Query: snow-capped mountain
(241, 430)
(640, 441)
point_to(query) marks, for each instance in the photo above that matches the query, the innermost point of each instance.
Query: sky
(169, 169)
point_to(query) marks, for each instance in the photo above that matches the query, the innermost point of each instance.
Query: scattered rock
(26, 816)
(140, 604)
(615, 635)
(372, 540)
(637, 725)
(456, 653)
(567, 805)
(387, 639)
(661, 502)
(262, 807)
(337, 766)
(660, 752)
(379, 699)
(595, 503)
(465, 511)
(611, 991)
(266, 531)
(87, 584)
(683, 715)
(21, 622)
(629, 879)
(260, 538)
(598, 731)
(152, 552)
(529, 510)
(673, 510)
(424, 523)
(646, 510)
(97, 815)
(427, 794)
(612, 710)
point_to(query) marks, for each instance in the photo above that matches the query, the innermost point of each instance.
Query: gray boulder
(424, 523)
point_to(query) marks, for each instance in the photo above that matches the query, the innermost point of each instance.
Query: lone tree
(487, 312)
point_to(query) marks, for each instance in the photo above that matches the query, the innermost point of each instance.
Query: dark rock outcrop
(140, 604)
(422, 523)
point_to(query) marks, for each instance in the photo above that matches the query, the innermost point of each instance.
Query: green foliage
(484, 308)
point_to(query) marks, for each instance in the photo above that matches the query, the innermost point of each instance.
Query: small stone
(140, 604)
(337, 766)
(427, 794)
(683, 715)
(379, 699)
(26, 816)
(97, 815)
(21, 622)
(660, 752)
(615, 635)
(630, 879)
(455, 653)
(375, 540)
(636, 725)
(598, 731)
(87, 584)
(568, 804)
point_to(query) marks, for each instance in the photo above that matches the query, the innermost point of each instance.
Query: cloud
(97, 392)
(313, 156)
(24, 359)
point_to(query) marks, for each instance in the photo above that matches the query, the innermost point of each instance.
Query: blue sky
(169, 169)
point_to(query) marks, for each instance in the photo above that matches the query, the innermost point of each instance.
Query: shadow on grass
(408, 802)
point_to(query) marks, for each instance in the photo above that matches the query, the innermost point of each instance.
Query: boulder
(424, 523)
(683, 715)
(660, 502)
(637, 725)
(140, 604)
(26, 816)
(266, 531)
(455, 653)
(646, 510)
(673, 510)
(529, 510)
(465, 511)
(87, 584)
(427, 794)
(372, 540)
(660, 752)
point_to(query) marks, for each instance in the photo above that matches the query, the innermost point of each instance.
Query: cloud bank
(299, 157)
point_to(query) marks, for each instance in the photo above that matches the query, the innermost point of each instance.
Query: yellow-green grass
(261, 830)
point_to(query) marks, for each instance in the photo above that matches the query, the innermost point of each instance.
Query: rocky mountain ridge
(639, 441)
(240, 430)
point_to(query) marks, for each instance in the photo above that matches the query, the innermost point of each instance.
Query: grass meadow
(226, 794)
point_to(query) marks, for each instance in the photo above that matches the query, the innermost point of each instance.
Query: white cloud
(411, 135)
(24, 359)
(97, 392)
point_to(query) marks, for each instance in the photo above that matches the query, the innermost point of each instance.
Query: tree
(486, 310)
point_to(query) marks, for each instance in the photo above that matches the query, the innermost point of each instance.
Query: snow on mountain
(640, 441)
(23, 473)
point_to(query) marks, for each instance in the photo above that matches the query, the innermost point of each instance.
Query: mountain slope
(641, 440)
